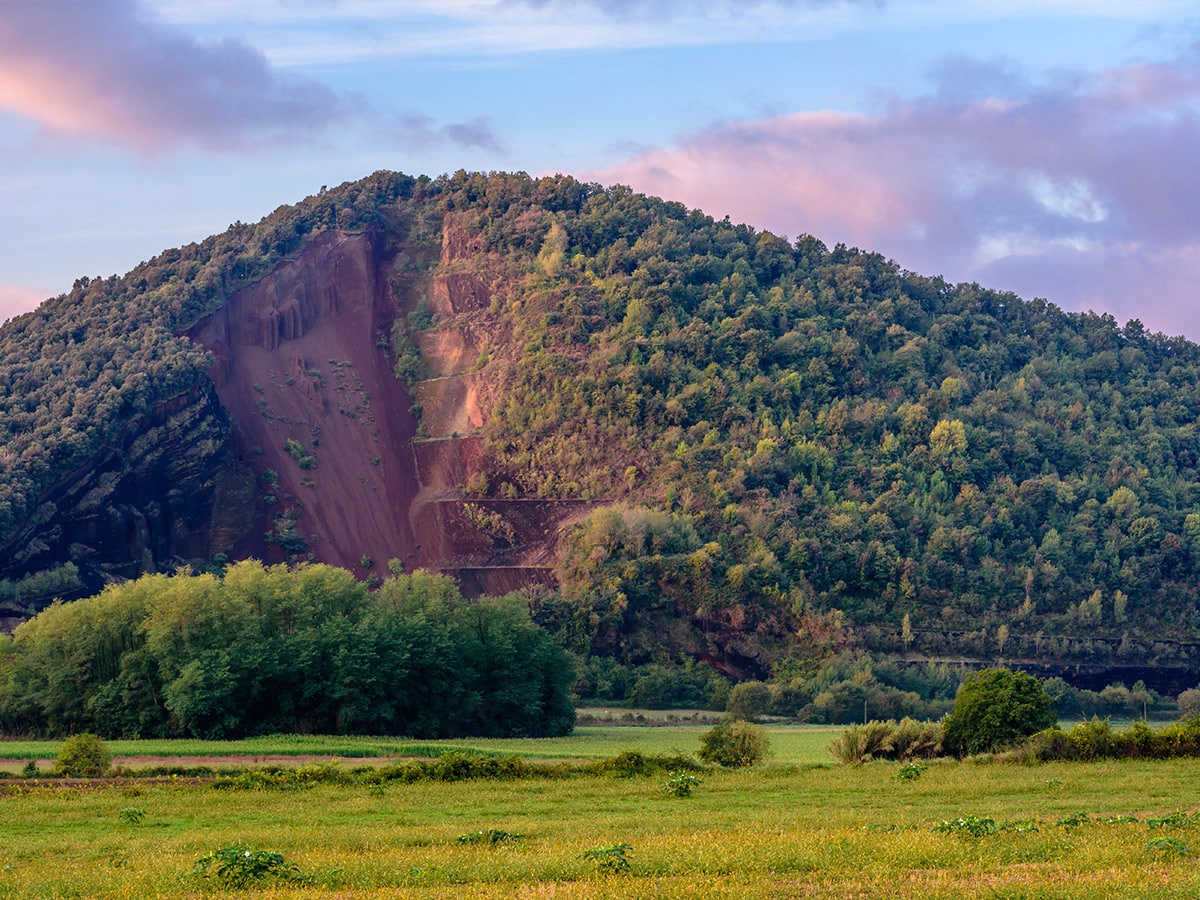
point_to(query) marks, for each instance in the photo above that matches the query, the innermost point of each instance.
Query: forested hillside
(690, 439)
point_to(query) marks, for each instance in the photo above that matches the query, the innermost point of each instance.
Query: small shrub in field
(490, 836)
(911, 771)
(238, 866)
(973, 826)
(1021, 826)
(1177, 819)
(613, 858)
(1074, 821)
(30, 769)
(734, 745)
(84, 756)
(681, 784)
(1168, 846)
(132, 815)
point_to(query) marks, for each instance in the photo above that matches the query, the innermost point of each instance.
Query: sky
(1046, 147)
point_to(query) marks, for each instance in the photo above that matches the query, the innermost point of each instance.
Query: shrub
(681, 784)
(613, 858)
(972, 826)
(238, 866)
(907, 739)
(1047, 745)
(132, 815)
(912, 770)
(1093, 740)
(490, 836)
(734, 744)
(916, 740)
(634, 763)
(996, 708)
(862, 743)
(84, 756)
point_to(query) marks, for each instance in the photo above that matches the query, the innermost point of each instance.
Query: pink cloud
(18, 298)
(105, 69)
(1083, 190)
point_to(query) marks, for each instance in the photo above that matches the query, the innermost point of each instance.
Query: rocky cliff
(169, 489)
(346, 473)
(306, 445)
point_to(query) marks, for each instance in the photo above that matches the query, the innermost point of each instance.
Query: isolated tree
(748, 700)
(995, 708)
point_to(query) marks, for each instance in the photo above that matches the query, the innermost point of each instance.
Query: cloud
(108, 70)
(104, 69)
(1081, 188)
(18, 298)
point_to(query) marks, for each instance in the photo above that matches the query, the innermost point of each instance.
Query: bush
(239, 866)
(734, 744)
(917, 740)
(996, 708)
(862, 743)
(681, 784)
(84, 756)
(1097, 739)
(906, 739)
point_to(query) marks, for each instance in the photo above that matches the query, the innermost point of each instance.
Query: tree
(1189, 703)
(748, 700)
(995, 708)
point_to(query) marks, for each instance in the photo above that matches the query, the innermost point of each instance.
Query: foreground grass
(782, 831)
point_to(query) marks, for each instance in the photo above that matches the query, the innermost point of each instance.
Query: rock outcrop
(170, 490)
(305, 444)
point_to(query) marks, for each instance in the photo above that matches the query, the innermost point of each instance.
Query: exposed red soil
(303, 356)
(296, 358)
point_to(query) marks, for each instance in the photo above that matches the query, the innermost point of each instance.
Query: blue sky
(1042, 147)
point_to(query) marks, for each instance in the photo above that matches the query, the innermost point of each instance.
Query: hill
(682, 437)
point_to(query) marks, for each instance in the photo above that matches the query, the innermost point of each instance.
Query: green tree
(995, 708)
(748, 700)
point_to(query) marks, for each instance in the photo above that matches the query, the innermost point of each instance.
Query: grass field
(797, 745)
(776, 832)
(785, 830)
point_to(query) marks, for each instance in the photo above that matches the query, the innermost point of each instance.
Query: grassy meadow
(799, 745)
(797, 827)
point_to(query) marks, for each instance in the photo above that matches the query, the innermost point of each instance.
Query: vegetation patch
(239, 866)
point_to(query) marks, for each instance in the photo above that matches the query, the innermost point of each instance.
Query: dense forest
(792, 453)
(271, 649)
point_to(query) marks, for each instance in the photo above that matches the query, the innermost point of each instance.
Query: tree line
(270, 649)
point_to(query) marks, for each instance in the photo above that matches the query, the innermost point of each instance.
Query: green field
(1063, 830)
(797, 745)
